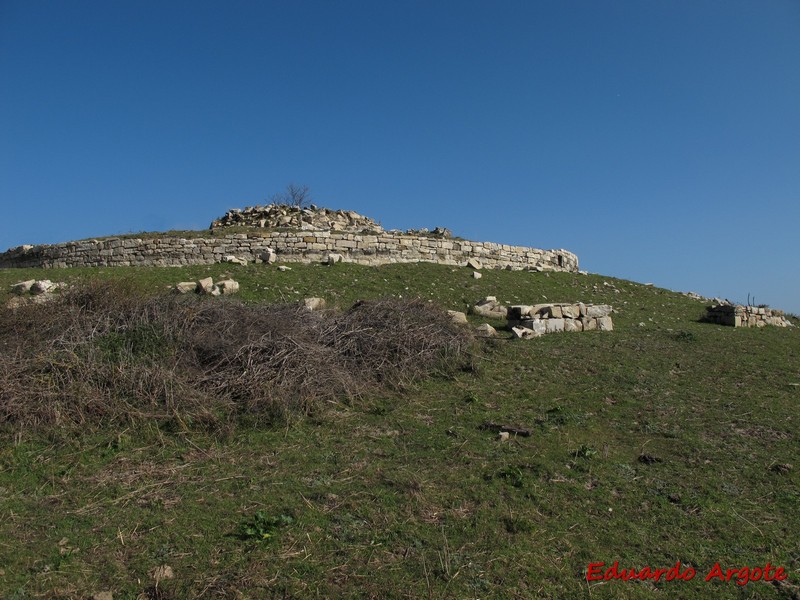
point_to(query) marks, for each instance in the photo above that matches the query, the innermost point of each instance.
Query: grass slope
(668, 441)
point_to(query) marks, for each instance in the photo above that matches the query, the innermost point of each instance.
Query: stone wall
(538, 319)
(302, 246)
(737, 315)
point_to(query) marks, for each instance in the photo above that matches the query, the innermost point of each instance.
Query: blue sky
(660, 141)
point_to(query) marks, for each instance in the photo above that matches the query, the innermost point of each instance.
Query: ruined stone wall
(737, 315)
(303, 246)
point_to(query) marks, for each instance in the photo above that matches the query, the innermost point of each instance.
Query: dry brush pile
(106, 354)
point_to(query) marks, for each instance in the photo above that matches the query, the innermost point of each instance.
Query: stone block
(458, 317)
(314, 303)
(184, 287)
(554, 325)
(228, 286)
(555, 312)
(519, 311)
(486, 330)
(598, 310)
(537, 325)
(205, 286)
(570, 311)
(23, 287)
(605, 324)
(589, 323)
(522, 333)
(572, 325)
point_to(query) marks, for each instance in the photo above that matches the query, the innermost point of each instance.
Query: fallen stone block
(314, 303)
(457, 317)
(476, 275)
(235, 260)
(523, 333)
(184, 287)
(42, 286)
(228, 286)
(22, 287)
(486, 330)
(204, 286)
(333, 258)
(474, 263)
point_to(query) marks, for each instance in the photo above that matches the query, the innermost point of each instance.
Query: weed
(262, 527)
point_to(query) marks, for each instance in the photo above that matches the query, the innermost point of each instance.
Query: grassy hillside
(665, 440)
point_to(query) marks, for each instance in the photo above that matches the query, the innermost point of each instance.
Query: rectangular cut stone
(572, 325)
(598, 310)
(555, 311)
(540, 309)
(570, 311)
(589, 323)
(605, 324)
(554, 325)
(538, 325)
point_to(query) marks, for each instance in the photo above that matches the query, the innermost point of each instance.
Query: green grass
(406, 496)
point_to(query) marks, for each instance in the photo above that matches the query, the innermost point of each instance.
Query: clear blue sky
(660, 141)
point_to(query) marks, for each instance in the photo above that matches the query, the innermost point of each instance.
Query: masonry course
(289, 246)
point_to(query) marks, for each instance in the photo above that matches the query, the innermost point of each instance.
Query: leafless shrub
(106, 354)
(295, 195)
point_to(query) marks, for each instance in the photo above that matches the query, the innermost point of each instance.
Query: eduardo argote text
(599, 571)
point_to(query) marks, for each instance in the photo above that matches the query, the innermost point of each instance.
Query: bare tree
(295, 195)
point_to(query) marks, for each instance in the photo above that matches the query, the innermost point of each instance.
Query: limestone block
(476, 275)
(332, 258)
(486, 330)
(605, 324)
(42, 286)
(542, 310)
(22, 287)
(236, 260)
(573, 325)
(539, 326)
(228, 286)
(554, 325)
(598, 310)
(184, 287)
(474, 263)
(589, 323)
(490, 311)
(314, 303)
(555, 312)
(519, 311)
(570, 311)
(522, 333)
(205, 286)
(458, 317)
